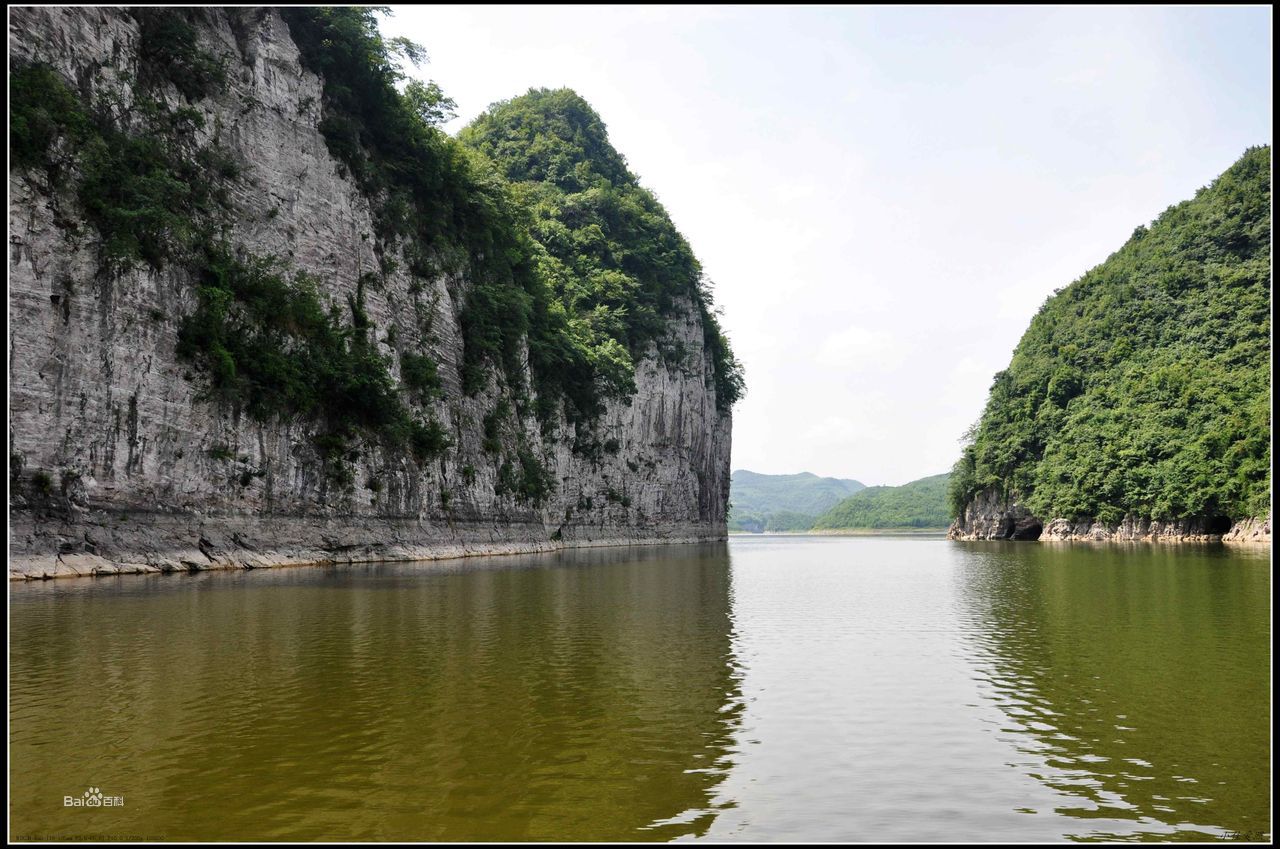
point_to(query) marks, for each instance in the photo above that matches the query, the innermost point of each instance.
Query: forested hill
(783, 502)
(1142, 389)
(919, 504)
(607, 249)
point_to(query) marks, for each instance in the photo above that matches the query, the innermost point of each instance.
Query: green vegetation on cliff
(269, 345)
(264, 339)
(610, 254)
(1143, 388)
(585, 292)
(155, 190)
(447, 208)
(149, 188)
(919, 504)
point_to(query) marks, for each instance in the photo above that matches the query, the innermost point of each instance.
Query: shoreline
(93, 566)
(994, 516)
(845, 532)
(26, 567)
(1219, 539)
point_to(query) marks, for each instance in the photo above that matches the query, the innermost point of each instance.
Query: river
(770, 688)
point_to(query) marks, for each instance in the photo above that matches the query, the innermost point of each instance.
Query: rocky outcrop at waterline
(1250, 530)
(992, 516)
(128, 455)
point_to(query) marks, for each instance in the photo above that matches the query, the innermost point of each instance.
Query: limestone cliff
(122, 459)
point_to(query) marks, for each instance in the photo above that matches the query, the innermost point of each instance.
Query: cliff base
(993, 517)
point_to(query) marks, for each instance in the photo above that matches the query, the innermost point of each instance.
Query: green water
(769, 689)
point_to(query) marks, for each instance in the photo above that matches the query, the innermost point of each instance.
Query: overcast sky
(883, 197)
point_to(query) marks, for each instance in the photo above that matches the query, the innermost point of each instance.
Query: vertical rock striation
(991, 517)
(120, 459)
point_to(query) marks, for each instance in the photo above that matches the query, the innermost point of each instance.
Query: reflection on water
(1132, 679)
(793, 688)
(581, 696)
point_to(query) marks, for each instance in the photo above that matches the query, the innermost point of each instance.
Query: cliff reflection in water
(1129, 677)
(578, 696)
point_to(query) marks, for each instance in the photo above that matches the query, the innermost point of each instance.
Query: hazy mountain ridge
(760, 502)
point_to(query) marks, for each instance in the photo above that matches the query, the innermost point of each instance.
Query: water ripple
(851, 689)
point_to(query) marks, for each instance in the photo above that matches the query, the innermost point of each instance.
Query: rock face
(992, 517)
(1250, 530)
(119, 464)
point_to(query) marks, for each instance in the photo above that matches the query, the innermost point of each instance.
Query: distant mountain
(919, 504)
(783, 502)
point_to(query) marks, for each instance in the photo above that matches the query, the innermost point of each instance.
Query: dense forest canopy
(1143, 387)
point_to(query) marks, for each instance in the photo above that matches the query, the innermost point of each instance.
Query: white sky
(883, 197)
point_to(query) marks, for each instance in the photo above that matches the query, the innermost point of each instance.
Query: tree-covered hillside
(607, 250)
(1143, 387)
(783, 502)
(919, 504)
